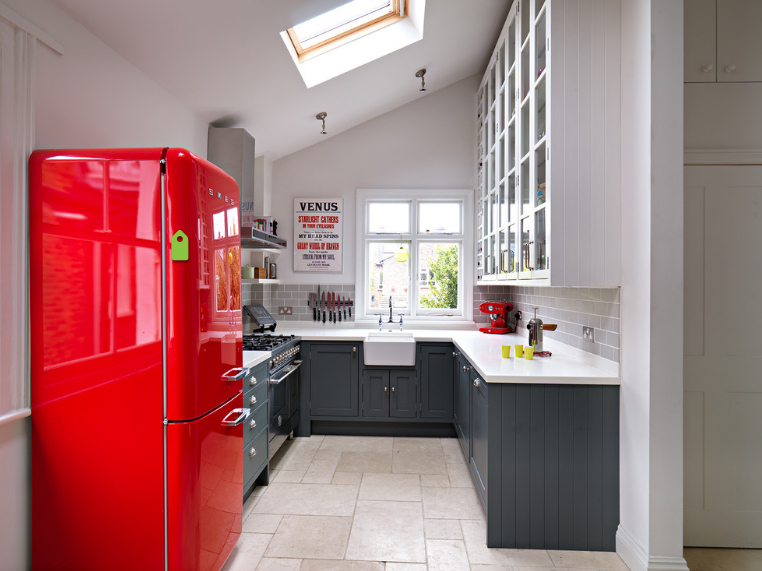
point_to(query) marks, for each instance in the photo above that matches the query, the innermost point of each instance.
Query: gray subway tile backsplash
(296, 296)
(570, 308)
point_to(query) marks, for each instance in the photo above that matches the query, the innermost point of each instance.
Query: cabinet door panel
(403, 401)
(700, 41)
(479, 430)
(334, 379)
(436, 382)
(375, 393)
(463, 403)
(739, 41)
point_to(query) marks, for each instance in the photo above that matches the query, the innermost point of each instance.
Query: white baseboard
(636, 558)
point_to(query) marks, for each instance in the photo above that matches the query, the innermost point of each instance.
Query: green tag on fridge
(179, 247)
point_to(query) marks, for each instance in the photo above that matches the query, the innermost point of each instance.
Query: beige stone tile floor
(355, 503)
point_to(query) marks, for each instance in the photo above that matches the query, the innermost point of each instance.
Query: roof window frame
(399, 12)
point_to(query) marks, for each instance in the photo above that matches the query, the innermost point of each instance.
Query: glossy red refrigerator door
(204, 483)
(204, 292)
(96, 360)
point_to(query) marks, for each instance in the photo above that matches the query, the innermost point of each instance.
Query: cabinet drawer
(256, 395)
(256, 377)
(254, 455)
(257, 421)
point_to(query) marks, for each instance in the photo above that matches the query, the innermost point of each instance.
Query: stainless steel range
(283, 374)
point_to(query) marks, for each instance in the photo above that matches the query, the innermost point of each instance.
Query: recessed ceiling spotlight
(321, 117)
(420, 73)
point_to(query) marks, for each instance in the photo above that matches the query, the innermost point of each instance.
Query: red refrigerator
(136, 350)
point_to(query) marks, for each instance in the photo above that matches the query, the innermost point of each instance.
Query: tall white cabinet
(548, 201)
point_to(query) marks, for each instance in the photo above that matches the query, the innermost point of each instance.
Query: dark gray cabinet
(391, 393)
(403, 399)
(479, 414)
(334, 379)
(545, 462)
(436, 380)
(462, 402)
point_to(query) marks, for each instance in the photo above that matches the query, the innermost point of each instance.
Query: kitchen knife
(339, 309)
(345, 309)
(322, 303)
(313, 305)
(330, 308)
(350, 308)
(333, 304)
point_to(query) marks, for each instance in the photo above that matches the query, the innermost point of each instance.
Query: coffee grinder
(498, 317)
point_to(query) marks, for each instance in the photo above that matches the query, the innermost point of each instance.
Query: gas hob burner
(266, 342)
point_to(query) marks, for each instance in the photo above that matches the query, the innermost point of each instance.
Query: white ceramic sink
(389, 349)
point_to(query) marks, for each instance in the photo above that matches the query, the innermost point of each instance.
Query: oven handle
(235, 374)
(243, 415)
(290, 369)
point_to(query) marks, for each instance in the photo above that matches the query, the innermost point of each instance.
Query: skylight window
(343, 24)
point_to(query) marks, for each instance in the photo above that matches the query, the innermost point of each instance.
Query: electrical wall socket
(588, 334)
(285, 310)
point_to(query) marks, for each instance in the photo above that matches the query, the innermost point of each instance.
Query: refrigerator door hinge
(163, 166)
(166, 422)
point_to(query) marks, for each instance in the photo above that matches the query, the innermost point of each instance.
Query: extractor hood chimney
(232, 149)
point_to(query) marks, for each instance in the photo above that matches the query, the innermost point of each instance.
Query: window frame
(399, 12)
(416, 237)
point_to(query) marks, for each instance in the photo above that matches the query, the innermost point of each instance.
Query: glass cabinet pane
(524, 253)
(511, 151)
(540, 241)
(502, 260)
(512, 259)
(503, 201)
(511, 45)
(495, 210)
(525, 130)
(525, 14)
(487, 215)
(526, 80)
(510, 90)
(540, 42)
(540, 110)
(526, 203)
(538, 6)
(491, 171)
(491, 259)
(511, 199)
(541, 194)
(500, 159)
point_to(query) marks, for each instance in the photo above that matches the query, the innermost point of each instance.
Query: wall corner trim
(18, 21)
(636, 558)
(723, 157)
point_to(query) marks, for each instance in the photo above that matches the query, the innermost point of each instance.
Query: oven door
(280, 404)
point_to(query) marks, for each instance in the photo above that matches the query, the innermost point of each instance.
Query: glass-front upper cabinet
(513, 194)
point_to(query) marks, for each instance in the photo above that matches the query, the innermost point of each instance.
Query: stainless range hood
(253, 238)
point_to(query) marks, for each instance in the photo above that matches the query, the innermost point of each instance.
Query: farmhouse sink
(389, 349)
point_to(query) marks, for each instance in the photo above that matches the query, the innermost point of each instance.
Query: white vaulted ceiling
(225, 60)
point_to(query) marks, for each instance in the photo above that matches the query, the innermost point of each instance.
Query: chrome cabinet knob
(253, 381)
(253, 399)
(454, 354)
(386, 389)
(253, 423)
(730, 69)
(476, 383)
(354, 349)
(252, 453)
(466, 369)
(392, 389)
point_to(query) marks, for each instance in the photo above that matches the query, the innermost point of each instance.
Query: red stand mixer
(498, 317)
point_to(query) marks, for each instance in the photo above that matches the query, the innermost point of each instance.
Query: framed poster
(318, 240)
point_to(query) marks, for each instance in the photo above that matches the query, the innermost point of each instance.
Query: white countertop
(254, 358)
(484, 351)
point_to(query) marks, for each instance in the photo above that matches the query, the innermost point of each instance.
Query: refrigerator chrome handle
(235, 374)
(243, 414)
(290, 369)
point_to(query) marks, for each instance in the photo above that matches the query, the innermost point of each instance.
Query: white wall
(88, 97)
(92, 97)
(428, 143)
(650, 534)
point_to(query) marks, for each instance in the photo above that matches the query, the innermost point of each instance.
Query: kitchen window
(343, 24)
(414, 247)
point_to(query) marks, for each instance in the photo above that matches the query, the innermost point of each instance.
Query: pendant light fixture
(321, 117)
(401, 255)
(420, 73)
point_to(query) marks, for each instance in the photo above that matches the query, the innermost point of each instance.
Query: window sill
(417, 324)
